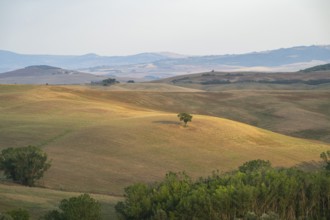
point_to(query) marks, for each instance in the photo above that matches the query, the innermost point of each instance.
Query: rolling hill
(325, 67)
(101, 141)
(307, 77)
(43, 74)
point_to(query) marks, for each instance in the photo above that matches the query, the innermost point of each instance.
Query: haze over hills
(160, 65)
(325, 67)
(43, 74)
(11, 61)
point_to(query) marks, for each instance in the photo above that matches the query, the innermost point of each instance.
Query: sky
(190, 27)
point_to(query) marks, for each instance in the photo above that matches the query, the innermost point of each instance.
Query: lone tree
(185, 117)
(82, 207)
(24, 165)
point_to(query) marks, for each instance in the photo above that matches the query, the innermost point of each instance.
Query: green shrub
(24, 165)
(82, 207)
(19, 214)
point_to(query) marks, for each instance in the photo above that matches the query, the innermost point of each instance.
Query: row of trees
(254, 191)
(105, 82)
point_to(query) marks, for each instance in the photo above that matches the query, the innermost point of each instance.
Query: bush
(24, 165)
(254, 165)
(325, 156)
(253, 194)
(19, 214)
(4, 216)
(82, 207)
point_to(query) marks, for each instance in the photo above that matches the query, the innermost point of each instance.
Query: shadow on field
(167, 122)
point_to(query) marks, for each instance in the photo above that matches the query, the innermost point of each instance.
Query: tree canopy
(24, 165)
(185, 117)
(19, 214)
(82, 207)
(260, 192)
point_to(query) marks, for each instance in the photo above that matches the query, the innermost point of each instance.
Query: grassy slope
(301, 113)
(38, 201)
(102, 141)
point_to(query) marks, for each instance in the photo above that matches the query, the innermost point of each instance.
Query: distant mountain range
(160, 65)
(12, 61)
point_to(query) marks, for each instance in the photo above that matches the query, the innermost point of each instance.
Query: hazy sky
(196, 27)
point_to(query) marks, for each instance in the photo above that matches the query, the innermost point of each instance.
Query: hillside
(101, 141)
(38, 201)
(223, 78)
(43, 74)
(325, 67)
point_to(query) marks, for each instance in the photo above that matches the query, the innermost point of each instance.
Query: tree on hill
(105, 82)
(185, 117)
(24, 165)
(82, 207)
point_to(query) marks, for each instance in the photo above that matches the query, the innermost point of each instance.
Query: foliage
(19, 214)
(326, 158)
(24, 165)
(82, 207)
(105, 82)
(254, 165)
(4, 216)
(261, 192)
(185, 117)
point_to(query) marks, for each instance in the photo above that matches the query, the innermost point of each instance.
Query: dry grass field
(101, 141)
(303, 113)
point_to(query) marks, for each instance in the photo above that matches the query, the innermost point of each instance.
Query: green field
(100, 140)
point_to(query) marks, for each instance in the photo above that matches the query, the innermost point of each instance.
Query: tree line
(255, 191)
